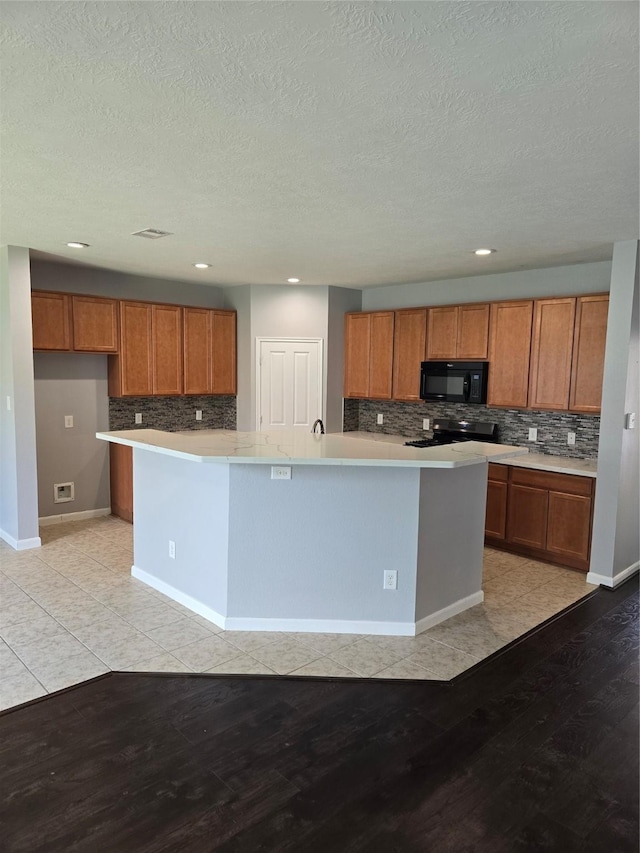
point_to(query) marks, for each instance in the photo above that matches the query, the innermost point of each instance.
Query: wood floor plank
(535, 749)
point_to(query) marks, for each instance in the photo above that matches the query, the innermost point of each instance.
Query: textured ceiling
(342, 143)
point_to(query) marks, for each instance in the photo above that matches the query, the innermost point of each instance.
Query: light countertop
(536, 461)
(305, 448)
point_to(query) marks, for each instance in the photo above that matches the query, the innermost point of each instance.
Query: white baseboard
(616, 580)
(20, 544)
(312, 626)
(181, 597)
(447, 612)
(47, 520)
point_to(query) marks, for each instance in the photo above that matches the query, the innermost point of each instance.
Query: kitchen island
(216, 532)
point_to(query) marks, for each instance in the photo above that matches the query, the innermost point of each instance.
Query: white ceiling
(343, 143)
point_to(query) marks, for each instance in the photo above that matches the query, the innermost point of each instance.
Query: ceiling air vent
(151, 234)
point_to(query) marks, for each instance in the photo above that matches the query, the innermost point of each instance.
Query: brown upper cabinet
(509, 353)
(553, 325)
(130, 372)
(50, 318)
(369, 355)
(458, 331)
(224, 369)
(166, 342)
(409, 340)
(95, 324)
(588, 353)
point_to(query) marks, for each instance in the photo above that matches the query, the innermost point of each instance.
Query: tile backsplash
(172, 413)
(513, 424)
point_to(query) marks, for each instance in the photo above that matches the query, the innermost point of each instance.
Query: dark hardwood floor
(534, 749)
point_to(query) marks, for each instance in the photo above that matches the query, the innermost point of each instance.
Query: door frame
(281, 339)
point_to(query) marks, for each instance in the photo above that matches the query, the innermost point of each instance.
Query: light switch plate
(138, 418)
(198, 414)
(380, 419)
(68, 421)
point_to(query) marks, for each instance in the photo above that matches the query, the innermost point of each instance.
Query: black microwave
(454, 381)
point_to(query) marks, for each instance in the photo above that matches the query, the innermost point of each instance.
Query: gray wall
(337, 543)
(199, 529)
(239, 299)
(75, 278)
(71, 384)
(341, 300)
(615, 524)
(18, 477)
(554, 281)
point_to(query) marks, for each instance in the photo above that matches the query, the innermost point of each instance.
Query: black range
(452, 432)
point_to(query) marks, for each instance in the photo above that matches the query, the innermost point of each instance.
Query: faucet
(315, 424)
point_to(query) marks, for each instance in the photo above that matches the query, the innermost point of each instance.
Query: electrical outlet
(280, 472)
(198, 414)
(68, 421)
(138, 418)
(425, 423)
(172, 549)
(380, 419)
(533, 433)
(390, 580)
(571, 438)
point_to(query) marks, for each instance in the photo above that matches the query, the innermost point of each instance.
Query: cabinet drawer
(571, 484)
(498, 472)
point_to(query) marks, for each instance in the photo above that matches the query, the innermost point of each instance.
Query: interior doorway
(289, 384)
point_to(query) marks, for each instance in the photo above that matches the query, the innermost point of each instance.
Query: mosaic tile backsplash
(172, 413)
(513, 424)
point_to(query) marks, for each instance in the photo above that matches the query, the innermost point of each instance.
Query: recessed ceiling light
(293, 280)
(74, 245)
(484, 251)
(202, 266)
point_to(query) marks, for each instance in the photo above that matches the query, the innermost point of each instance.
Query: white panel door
(289, 383)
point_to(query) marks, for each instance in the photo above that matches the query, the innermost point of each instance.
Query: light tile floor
(70, 611)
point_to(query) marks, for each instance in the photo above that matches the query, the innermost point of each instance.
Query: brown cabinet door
(50, 314)
(588, 353)
(553, 326)
(410, 331)
(473, 332)
(495, 524)
(442, 334)
(198, 350)
(527, 516)
(509, 351)
(381, 355)
(224, 352)
(135, 356)
(569, 526)
(121, 479)
(167, 349)
(357, 339)
(95, 324)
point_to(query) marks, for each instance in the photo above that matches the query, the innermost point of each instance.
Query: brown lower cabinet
(540, 514)
(121, 480)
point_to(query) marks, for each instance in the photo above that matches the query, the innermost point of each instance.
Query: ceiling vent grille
(151, 234)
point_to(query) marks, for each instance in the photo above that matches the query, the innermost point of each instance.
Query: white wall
(71, 384)
(615, 545)
(18, 477)
(554, 281)
(75, 278)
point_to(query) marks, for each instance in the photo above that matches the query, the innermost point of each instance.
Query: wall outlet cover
(380, 419)
(425, 423)
(571, 438)
(172, 549)
(533, 433)
(390, 579)
(63, 493)
(198, 414)
(280, 472)
(68, 421)
(630, 420)
(138, 417)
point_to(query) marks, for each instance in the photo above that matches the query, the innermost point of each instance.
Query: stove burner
(453, 432)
